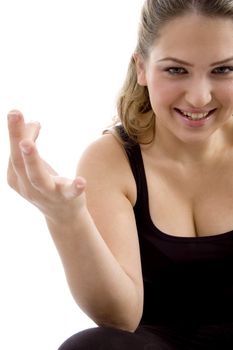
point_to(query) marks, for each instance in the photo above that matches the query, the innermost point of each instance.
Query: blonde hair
(134, 109)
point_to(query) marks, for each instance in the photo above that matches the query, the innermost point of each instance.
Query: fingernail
(80, 182)
(13, 114)
(25, 148)
(34, 122)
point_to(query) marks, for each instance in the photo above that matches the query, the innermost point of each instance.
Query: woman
(147, 242)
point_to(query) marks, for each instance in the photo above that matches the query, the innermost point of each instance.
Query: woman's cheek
(224, 94)
(165, 93)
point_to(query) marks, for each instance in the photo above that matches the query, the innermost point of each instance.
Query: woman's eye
(176, 70)
(223, 70)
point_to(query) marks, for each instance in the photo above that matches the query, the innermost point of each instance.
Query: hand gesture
(57, 197)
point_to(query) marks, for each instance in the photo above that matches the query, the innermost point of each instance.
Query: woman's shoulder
(105, 160)
(106, 150)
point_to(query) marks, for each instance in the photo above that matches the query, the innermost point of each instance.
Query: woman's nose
(199, 93)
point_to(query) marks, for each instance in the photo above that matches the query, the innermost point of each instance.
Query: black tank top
(187, 280)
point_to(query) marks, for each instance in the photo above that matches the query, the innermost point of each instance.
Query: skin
(192, 88)
(99, 251)
(185, 165)
(101, 260)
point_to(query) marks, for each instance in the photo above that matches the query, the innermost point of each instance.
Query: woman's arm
(94, 231)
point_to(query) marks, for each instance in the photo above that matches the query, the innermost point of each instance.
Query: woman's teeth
(195, 116)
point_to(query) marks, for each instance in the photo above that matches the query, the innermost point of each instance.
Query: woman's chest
(191, 202)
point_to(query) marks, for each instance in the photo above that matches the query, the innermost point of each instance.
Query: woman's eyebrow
(223, 61)
(190, 64)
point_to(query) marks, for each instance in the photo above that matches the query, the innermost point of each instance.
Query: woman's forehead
(192, 34)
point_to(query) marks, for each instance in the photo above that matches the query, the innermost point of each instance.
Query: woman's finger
(32, 130)
(18, 130)
(12, 178)
(70, 188)
(35, 168)
(16, 127)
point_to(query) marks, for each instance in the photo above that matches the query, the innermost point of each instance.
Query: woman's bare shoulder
(105, 161)
(106, 145)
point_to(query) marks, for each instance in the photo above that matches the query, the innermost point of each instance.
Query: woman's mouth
(194, 119)
(195, 116)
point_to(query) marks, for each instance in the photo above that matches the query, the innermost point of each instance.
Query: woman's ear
(140, 68)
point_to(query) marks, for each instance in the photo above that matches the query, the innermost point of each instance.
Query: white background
(62, 62)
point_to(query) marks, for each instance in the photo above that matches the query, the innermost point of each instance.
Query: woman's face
(189, 75)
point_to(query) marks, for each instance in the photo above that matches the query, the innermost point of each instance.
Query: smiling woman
(197, 81)
(145, 229)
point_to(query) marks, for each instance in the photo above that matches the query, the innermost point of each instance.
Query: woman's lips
(205, 114)
(194, 122)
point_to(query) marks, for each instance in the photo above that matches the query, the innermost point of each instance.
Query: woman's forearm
(98, 283)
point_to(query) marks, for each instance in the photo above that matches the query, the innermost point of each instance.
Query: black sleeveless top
(187, 280)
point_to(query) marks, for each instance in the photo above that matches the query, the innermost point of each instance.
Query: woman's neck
(198, 153)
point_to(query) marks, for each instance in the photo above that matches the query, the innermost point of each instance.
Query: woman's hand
(58, 198)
